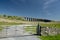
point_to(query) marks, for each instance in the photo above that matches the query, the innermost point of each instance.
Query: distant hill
(9, 18)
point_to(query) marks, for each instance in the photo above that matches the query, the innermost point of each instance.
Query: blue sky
(46, 9)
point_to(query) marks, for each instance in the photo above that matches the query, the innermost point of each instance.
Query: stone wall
(50, 31)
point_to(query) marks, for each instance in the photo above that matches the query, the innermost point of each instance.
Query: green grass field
(7, 24)
(33, 29)
(51, 25)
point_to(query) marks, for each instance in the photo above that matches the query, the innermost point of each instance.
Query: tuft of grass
(57, 25)
(55, 37)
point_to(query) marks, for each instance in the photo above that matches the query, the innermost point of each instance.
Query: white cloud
(48, 2)
(46, 5)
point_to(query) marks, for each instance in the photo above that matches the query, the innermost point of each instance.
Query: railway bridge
(36, 19)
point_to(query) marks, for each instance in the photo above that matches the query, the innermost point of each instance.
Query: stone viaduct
(36, 19)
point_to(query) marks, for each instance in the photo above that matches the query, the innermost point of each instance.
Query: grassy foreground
(33, 29)
(55, 37)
